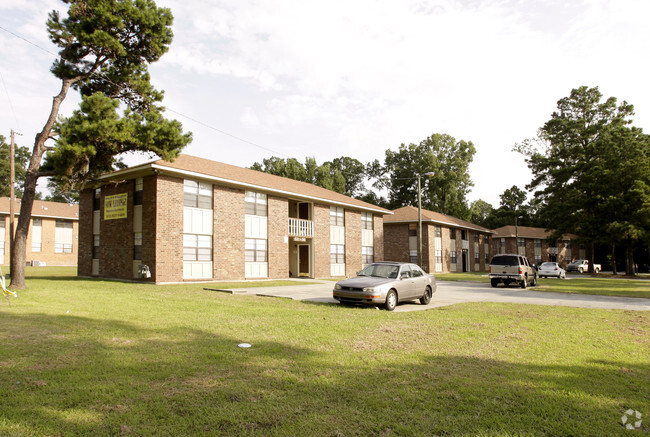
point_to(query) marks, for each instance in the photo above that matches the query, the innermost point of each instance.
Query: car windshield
(380, 271)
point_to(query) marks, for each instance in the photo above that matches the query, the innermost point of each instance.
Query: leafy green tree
(480, 211)
(446, 191)
(320, 175)
(569, 161)
(353, 172)
(21, 157)
(105, 47)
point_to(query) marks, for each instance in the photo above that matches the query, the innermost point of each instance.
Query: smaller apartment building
(533, 244)
(197, 219)
(448, 244)
(53, 233)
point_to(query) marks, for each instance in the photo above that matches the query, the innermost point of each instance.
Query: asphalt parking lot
(450, 293)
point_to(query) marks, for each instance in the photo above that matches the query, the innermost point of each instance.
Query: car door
(405, 283)
(420, 281)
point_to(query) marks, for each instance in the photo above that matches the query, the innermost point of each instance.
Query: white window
(63, 236)
(197, 194)
(337, 253)
(255, 250)
(137, 245)
(256, 204)
(96, 246)
(37, 232)
(452, 255)
(197, 247)
(366, 220)
(367, 254)
(413, 256)
(337, 216)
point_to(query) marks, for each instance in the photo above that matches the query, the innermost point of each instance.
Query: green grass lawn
(93, 357)
(582, 284)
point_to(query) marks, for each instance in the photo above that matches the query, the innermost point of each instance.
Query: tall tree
(105, 47)
(480, 211)
(568, 159)
(352, 171)
(21, 157)
(446, 191)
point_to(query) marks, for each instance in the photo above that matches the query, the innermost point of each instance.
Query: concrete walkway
(450, 293)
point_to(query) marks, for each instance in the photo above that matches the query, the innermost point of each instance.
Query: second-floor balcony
(301, 228)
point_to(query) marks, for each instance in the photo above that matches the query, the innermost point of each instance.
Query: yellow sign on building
(115, 206)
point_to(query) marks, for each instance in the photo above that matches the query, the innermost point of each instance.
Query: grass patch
(92, 357)
(578, 284)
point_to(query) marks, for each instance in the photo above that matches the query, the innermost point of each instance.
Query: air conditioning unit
(36, 263)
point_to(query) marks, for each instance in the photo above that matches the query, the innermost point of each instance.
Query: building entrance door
(304, 261)
(465, 257)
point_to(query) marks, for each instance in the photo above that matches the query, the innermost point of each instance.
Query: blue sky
(296, 78)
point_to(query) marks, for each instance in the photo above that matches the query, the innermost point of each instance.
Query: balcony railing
(301, 228)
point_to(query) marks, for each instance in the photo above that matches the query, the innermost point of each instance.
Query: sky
(253, 79)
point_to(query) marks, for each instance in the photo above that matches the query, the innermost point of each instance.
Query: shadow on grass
(64, 375)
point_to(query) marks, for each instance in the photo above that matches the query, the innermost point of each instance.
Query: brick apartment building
(197, 219)
(533, 244)
(449, 244)
(53, 233)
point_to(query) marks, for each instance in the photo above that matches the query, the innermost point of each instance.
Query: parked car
(508, 268)
(386, 283)
(551, 269)
(581, 266)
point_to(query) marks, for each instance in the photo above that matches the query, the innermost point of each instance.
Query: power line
(98, 73)
(11, 105)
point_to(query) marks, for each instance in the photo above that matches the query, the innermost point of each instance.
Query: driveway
(450, 293)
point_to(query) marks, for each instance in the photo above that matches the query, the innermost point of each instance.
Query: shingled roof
(526, 232)
(43, 209)
(226, 174)
(409, 214)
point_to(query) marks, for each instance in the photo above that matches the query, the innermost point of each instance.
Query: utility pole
(12, 177)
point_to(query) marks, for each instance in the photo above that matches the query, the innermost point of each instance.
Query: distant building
(449, 244)
(533, 244)
(53, 233)
(197, 219)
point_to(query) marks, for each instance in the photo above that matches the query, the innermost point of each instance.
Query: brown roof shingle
(410, 214)
(239, 176)
(525, 232)
(42, 208)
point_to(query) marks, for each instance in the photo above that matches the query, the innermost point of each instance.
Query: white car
(551, 269)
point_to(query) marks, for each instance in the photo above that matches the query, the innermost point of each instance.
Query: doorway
(304, 261)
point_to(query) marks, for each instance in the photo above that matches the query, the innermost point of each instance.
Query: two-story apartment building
(533, 243)
(197, 219)
(449, 244)
(52, 236)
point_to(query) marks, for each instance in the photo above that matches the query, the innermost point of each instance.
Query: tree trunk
(614, 258)
(32, 174)
(629, 260)
(590, 257)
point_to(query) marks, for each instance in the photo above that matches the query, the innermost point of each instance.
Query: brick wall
(378, 235)
(352, 242)
(278, 247)
(168, 266)
(85, 251)
(322, 241)
(116, 237)
(229, 230)
(396, 242)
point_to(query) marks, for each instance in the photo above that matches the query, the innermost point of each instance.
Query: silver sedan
(551, 269)
(387, 284)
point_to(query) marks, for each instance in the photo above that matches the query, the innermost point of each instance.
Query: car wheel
(580, 270)
(524, 283)
(426, 297)
(562, 276)
(391, 300)
(494, 282)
